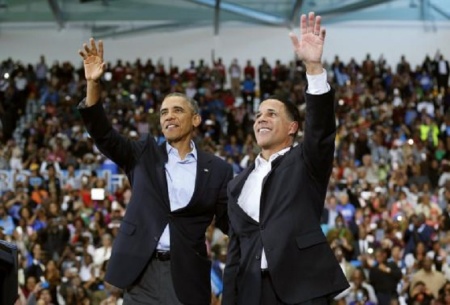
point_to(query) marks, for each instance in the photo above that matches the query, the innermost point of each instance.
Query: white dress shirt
(180, 176)
(250, 198)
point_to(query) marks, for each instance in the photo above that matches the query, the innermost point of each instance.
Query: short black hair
(291, 110)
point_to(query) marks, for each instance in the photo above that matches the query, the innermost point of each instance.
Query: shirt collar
(260, 160)
(174, 152)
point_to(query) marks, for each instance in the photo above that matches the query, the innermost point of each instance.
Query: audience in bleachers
(387, 213)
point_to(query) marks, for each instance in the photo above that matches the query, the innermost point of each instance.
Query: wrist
(314, 68)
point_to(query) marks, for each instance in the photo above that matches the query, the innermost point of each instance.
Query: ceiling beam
(439, 10)
(57, 12)
(359, 5)
(118, 31)
(216, 18)
(296, 7)
(244, 11)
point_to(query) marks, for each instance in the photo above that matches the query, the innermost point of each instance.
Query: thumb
(294, 40)
(103, 67)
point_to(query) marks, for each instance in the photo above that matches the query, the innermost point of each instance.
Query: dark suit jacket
(301, 264)
(148, 212)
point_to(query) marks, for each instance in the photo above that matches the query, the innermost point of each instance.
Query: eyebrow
(174, 108)
(270, 110)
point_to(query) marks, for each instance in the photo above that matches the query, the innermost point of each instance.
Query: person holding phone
(159, 255)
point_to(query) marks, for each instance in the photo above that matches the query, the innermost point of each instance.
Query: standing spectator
(442, 72)
(235, 77)
(249, 70)
(248, 92)
(384, 276)
(265, 78)
(417, 231)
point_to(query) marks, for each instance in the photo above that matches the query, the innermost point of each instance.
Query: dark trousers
(269, 297)
(154, 286)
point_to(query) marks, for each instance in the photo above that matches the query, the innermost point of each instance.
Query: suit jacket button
(156, 238)
(262, 227)
(257, 257)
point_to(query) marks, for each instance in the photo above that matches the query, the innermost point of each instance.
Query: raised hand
(309, 47)
(94, 66)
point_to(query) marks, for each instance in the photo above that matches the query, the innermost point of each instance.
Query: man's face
(273, 127)
(177, 119)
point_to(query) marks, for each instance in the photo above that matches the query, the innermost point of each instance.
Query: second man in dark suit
(278, 253)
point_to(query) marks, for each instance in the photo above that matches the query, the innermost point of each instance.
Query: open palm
(94, 66)
(309, 47)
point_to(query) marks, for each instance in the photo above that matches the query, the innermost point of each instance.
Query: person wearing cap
(277, 252)
(159, 255)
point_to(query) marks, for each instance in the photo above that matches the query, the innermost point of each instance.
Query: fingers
(100, 48)
(88, 52)
(92, 50)
(82, 54)
(311, 24)
(310, 28)
(93, 46)
(103, 67)
(303, 25)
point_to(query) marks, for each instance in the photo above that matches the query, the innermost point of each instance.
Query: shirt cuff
(317, 84)
(82, 104)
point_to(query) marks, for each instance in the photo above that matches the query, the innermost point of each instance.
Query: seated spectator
(341, 236)
(360, 290)
(347, 268)
(434, 280)
(444, 295)
(420, 295)
(6, 221)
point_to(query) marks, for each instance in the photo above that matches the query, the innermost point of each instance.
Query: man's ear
(196, 120)
(293, 128)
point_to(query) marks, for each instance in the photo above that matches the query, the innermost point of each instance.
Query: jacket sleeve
(121, 150)
(320, 133)
(221, 219)
(229, 296)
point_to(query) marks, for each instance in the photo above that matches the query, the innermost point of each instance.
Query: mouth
(171, 126)
(263, 130)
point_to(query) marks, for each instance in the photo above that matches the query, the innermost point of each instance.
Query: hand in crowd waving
(309, 47)
(94, 66)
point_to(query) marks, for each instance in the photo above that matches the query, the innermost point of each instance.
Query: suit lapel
(238, 182)
(161, 174)
(202, 175)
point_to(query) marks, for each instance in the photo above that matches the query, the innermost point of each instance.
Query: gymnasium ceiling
(127, 17)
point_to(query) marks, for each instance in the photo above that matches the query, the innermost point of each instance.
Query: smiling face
(178, 119)
(273, 128)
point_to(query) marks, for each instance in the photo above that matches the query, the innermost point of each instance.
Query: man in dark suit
(159, 255)
(278, 253)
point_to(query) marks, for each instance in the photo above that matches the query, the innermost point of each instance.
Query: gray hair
(193, 103)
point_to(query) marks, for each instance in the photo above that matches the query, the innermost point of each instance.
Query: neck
(267, 153)
(183, 147)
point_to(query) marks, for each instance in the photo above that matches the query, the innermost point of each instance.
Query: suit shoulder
(215, 160)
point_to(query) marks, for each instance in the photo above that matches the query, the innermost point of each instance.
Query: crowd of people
(387, 210)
